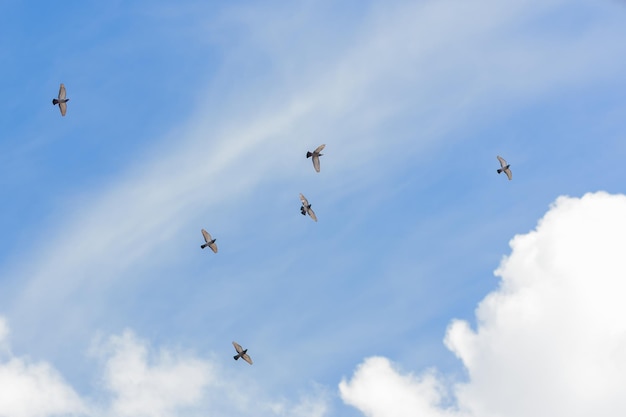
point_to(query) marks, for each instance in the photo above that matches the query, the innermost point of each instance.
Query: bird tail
(308, 154)
(55, 101)
(204, 246)
(499, 171)
(236, 357)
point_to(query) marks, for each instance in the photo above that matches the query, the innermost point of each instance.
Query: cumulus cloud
(151, 385)
(33, 389)
(379, 389)
(551, 340)
(138, 384)
(140, 381)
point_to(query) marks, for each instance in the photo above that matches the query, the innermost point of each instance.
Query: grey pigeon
(316, 157)
(61, 101)
(241, 353)
(210, 242)
(505, 168)
(306, 208)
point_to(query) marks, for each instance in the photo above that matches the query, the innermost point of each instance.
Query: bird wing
(316, 162)
(502, 161)
(63, 108)
(238, 348)
(246, 358)
(207, 236)
(312, 214)
(305, 203)
(213, 247)
(62, 92)
(508, 173)
(319, 148)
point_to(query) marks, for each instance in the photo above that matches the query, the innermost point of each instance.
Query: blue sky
(199, 115)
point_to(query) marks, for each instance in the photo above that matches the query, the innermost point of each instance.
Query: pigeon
(306, 208)
(209, 241)
(61, 101)
(505, 168)
(316, 157)
(241, 353)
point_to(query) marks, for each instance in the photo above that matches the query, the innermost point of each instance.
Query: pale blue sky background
(199, 114)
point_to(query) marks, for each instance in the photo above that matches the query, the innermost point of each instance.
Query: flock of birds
(305, 208)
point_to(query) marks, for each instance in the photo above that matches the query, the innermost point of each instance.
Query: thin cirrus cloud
(422, 70)
(154, 193)
(549, 341)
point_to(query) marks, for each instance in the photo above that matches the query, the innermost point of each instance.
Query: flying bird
(316, 157)
(306, 208)
(241, 353)
(61, 101)
(210, 242)
(505, 168)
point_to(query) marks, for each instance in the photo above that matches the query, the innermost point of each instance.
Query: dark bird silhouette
(316, 157)
(241, 353)
(306, 208)
(62, 100)
(505, 168)
(210, 242)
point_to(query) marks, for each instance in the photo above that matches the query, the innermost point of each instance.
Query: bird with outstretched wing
(210, 242)
(61, 100)
(504, 168)
(306, 208)
(241, 353)
(315, 157)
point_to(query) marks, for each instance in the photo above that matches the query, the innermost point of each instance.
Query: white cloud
(378, 389)
(139, 384)
(424, 59)
(151, 385)
(33, 389)
(140, 381)
(401, 60)
(550, 341)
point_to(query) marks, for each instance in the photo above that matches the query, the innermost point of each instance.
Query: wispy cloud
(407, 79)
